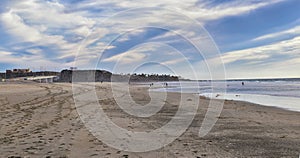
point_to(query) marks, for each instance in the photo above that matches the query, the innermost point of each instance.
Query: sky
(195, 39)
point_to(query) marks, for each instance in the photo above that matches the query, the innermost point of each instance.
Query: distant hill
(94, 75)
(85, 76)
(106, 76)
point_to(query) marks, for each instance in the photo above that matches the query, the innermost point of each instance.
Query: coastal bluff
(106, 76)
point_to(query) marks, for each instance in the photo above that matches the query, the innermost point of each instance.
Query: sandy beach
(40, 120)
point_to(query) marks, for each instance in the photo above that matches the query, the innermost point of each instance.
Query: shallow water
(279, 93)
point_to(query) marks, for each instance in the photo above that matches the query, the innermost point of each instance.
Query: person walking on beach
(243, 83)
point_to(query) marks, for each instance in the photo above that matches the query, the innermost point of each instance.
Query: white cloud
(289, 48)
(289, 32)
(50, 13)
(175, 61)
(280, 59)
(131, 56)
(34, 62)
(7, 57)
(41, 23)
(24, 33)
(204, 11)
(199, 9)
(14, 25)
(51, 24)
(35, 51)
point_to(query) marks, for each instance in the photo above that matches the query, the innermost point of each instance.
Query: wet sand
(40, 120)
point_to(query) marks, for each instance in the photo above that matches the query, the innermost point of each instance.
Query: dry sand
(40, 120)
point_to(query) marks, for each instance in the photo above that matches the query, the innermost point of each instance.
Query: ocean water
(282, 93)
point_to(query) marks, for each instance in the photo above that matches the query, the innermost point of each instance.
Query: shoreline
(289, 103)
(262, 100)
(39, 120)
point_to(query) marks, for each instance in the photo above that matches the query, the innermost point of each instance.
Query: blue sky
(255, 38)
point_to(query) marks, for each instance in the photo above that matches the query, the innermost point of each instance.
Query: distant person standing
(243, 83)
